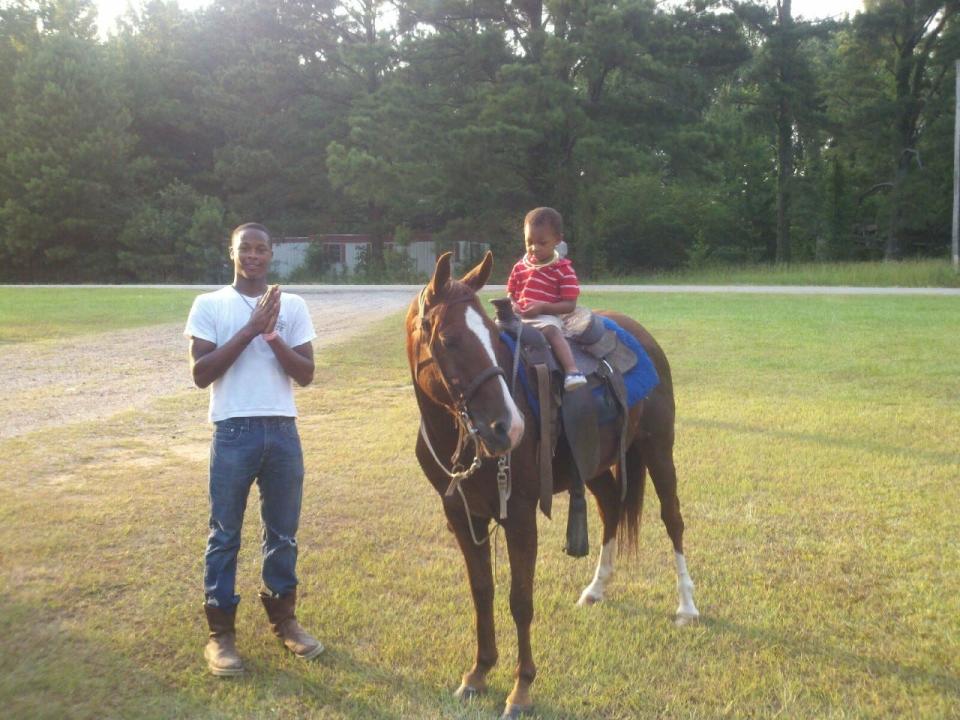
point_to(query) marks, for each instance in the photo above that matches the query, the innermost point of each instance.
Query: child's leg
(559, 344)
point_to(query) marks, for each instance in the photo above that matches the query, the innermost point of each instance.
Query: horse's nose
(500, 429)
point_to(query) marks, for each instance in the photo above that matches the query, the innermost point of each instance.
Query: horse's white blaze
(479, 328)
(595, 590)
(686, 609)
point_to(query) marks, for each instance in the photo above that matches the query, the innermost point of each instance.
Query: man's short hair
(538, 217)
(251, 226)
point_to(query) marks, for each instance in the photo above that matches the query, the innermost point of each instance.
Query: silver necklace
(537, 265)
(246, 302)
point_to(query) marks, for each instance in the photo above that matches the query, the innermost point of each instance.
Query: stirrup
(578, 543)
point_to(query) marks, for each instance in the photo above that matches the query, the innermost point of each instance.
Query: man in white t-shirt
(248, 341)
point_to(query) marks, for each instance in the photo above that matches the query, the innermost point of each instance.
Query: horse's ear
(478, 277)
(441, 274)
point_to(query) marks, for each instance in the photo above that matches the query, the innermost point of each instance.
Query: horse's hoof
(587, 600)
(513, 712)
(466, 693)
(684, 619)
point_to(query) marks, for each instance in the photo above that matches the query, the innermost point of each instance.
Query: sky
(110, 10)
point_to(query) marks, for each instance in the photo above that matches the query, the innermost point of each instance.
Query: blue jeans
(266, 450)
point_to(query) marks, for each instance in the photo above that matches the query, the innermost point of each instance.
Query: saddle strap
(546, 442)
(615, 381)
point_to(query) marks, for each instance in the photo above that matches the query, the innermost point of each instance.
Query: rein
(466, 429)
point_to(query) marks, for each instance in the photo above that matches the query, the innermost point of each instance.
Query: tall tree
(783, 95)
(375, 164)
(66, 152)
(169, 61)
(908, 35)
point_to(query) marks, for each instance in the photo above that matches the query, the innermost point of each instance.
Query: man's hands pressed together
(263, 319)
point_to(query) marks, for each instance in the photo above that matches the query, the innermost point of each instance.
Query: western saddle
(578, 414)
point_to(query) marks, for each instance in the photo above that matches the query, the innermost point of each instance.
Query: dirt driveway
(95, 376)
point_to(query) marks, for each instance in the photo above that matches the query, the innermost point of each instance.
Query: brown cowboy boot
(284, 623)
(221, 649)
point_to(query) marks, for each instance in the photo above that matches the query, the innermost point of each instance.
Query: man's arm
(209, 361)
(297, 361)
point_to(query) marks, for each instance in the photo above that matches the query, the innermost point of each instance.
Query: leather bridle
(428, 323)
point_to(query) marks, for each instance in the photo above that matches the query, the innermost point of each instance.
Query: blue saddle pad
(640, 380)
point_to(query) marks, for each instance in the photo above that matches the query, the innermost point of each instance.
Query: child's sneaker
(573, 381)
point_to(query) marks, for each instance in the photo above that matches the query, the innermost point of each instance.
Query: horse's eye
(451, 342)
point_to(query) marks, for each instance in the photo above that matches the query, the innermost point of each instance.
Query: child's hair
(541, 216)
(251, 226)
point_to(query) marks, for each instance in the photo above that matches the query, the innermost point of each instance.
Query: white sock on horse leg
(594, 592)
(686, 609)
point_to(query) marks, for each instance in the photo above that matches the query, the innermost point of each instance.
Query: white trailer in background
(343, 252)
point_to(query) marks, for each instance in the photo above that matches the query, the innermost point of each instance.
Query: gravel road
(95, 376)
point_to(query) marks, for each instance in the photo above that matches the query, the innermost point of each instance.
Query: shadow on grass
(356, 688)
(407, 698)
(945, 458)
(336, 680)
(50, 671)
(834, 655)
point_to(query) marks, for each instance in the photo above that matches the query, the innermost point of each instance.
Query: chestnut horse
(460, 368)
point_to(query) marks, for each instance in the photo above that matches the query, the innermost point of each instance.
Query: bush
(398, 267)
(176, 235)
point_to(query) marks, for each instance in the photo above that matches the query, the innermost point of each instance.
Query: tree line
(725, 131)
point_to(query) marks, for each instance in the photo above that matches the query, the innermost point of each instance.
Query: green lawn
(817, 453)
(38, 313)
(907, 273)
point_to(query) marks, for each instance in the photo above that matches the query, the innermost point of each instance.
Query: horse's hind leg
(607, 493)
(658, 454)
(479, 572)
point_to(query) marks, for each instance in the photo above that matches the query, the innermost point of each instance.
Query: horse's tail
(628, 530)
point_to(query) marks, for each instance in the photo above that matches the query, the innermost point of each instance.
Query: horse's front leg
(477, 559)
(521, 532)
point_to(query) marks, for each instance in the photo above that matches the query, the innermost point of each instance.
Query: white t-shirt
(255, 384)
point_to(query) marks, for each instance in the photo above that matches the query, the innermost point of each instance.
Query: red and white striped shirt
(551, 283)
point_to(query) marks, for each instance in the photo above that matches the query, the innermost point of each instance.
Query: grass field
(818, 464)
(907, 273)
(38, 313)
